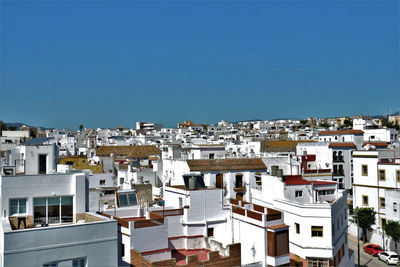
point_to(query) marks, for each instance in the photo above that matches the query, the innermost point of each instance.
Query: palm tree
(80, 128)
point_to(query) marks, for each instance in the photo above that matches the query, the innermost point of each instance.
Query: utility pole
(358, 243)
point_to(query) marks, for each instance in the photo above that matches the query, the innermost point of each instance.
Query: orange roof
(342, 144)
(226, 164)
(341, 132)
(128, 151)
(278, 226)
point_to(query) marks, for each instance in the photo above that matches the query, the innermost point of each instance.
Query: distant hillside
(17, 125)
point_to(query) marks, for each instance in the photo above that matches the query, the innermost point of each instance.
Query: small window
(297, 226)
(317, 231)
(365, 200)
(78, 263)
(122, 250)
(398, 175)
(394, 206)
(382, 175)
(382, 202)
(258, 179)
(211, 156)
(102, 182)
(299, 193)
(364, 170)
(17, 206)
(121, 180)
(210, 232)
(123, 200)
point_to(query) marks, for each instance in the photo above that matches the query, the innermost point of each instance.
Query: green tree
(364, 218)
(392, 229)
(304, 122)
(80, 128)
(324, 124)
(347, 123)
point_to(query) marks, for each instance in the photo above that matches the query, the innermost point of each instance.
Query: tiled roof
(295, 180)
(342, 144)
(341, 132)
(285, 143)
(226, 164)
(298, 180)
(128, 151)
(317, 183)
(278, 226)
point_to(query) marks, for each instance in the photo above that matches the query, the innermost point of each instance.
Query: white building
(376, 183)
(388, 135)
(317, 215)
(37, 156)
(362, 123)
(44, 223)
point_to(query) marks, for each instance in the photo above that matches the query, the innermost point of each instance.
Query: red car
(373, 249)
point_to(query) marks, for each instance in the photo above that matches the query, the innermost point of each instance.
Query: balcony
(239, 189)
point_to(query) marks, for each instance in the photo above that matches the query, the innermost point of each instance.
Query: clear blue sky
(112, 63)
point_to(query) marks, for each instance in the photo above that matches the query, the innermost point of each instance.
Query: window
(121, 180)
(210, 232)
(42, 164)
(364, 170)
(365, 200)
(129, 199)
(299, 193)
(78, 263)
(382, 175)
(318, 262)
(211, 156)
(17, 206)
(340, 156)
(72, 263)
(278, 243)
(297, 226)
(52, 210)
(398, 175)
(239, 180)
(335, 156)
(341, 172)
(102, 182)
(382, 202)
(317, 231)
(258, 178)
(122, 250)
(394, 206)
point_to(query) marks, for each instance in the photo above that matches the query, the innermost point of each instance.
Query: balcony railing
(239, 189)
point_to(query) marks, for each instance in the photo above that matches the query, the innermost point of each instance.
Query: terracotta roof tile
(341, 132)
(278, 226)
(226, 164)
(342, 144)
(299, 180)
(128, 151)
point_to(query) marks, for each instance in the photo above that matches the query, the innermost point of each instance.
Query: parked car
(373, 249)
(389, 257)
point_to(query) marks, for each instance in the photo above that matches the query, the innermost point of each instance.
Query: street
(365, 259)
